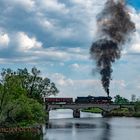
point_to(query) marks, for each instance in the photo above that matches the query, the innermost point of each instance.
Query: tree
(37, 86)
(120, 100)
(137, 106)
(133, 98)
(21, 96)
(10, 91)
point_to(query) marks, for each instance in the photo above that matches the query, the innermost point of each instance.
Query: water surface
(62, 126)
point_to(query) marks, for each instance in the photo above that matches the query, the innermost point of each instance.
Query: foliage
(21, 96)
(21, 136)
(133, 98)
(120, 100)
(93, 110)
(36, 86)
(137, 106)
(120, 110)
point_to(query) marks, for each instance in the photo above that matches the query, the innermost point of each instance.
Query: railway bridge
(76, 107)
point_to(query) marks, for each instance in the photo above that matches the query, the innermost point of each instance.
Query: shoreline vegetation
(21, 129)
(21, 98)
(122, 112)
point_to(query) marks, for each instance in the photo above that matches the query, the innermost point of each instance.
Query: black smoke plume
(114, 28)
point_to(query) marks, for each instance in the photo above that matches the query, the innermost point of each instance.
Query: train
(93, 99)
(80, 100)
(59, 100)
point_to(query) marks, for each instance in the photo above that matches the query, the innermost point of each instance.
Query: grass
(92, 110)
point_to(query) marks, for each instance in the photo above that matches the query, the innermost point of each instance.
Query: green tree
(21, 95)
(10, 91)
(120, 100)
(137, 106)
(133, 98)
(37, 87)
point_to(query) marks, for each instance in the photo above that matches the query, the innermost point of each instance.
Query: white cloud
(87, 12)
(26, 4)
(120, 83)
(78, 22)
(135, 48)
(64, 33)
(61, 80)
(135, 15)
(45, 23)
(52, 54)
(86, 68)
(62, 55)
(4, 40)
(26, 43)
(61, 64)
(134, 45)
(84, 87)
(76, 50)
(89, 3)
(75, 66)
(53, 5)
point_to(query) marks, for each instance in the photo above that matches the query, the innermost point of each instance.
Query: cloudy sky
(55, 36)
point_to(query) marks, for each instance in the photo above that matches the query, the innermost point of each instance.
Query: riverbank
(21, 133)
(122, 112)
(20, 129)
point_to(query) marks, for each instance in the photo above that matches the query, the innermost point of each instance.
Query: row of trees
(134, 100)
(21, 96)
(120, 100)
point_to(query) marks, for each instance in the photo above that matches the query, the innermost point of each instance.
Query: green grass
(120, 110)
(92, 110)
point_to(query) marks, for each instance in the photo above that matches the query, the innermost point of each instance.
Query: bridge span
(77, 107)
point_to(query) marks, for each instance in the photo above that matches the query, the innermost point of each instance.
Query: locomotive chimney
(107, 92)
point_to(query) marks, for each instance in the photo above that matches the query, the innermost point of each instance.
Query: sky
(55, 36)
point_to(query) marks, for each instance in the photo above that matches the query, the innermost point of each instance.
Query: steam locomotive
(80, 100)
(93, 99)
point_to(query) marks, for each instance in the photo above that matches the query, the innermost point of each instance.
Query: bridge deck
(105, 107)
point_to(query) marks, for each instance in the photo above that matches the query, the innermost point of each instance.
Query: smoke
(114, 28)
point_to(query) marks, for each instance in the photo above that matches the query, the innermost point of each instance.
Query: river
(62, 126)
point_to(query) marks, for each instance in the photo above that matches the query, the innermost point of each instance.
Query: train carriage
(59, 100)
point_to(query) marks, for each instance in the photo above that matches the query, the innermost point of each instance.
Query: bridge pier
(105, 113)
(76, 113)
(47, 113)
(47, 116)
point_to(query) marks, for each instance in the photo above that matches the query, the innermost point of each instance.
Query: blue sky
(55, 36)
(134, 3)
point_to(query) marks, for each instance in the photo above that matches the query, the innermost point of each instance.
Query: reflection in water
(106, 135)
(70, 125)
(63, 126)
(21, 136)
(81, 125)
(91, 128)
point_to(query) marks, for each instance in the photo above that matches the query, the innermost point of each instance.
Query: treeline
(21, 97)
(134, 100)
(128, 112)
